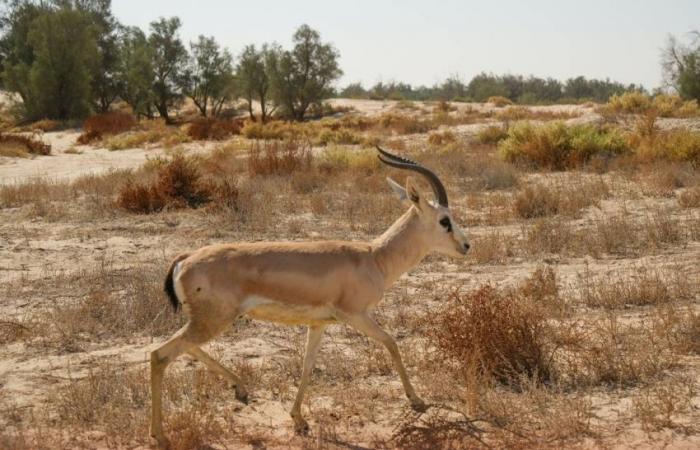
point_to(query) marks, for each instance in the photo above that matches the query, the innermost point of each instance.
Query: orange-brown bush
(178, 185)
(213, 128)
(115, 122)
(446, 137)
(492, 135)
(279, 157)
(23, 143)
(496, 334)
(499, 101)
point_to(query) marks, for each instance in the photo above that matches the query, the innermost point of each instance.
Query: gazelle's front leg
(313, 341)
(367, 325)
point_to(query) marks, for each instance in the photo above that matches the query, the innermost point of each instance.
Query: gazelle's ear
(413, 193)
(398, 189)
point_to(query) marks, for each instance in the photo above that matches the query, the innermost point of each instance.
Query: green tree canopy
(681, 65)
(303, 76)
(208, 75)
(168, 59)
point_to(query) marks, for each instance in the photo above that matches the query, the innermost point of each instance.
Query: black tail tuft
(169, 286)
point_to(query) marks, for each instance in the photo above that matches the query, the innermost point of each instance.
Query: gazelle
(310, 283)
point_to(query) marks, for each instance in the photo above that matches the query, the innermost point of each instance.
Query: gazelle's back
(270, 281)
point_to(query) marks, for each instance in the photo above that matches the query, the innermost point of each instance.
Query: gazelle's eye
(445, 222)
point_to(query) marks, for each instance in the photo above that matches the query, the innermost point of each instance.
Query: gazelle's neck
(401, 247)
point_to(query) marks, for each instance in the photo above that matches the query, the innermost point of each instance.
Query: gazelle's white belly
(263, 308)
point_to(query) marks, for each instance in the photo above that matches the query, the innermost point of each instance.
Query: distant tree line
(67, 59)
(519, 89)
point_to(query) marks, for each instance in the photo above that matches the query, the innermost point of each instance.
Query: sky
(424, 42)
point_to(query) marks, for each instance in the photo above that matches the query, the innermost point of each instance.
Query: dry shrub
(499, 101)
(442, 428)
(548, 236)
(611, 350)
(516, 113)
(444, 107)
(342, 136)
(633, 102)
(475, 170)
(403, 124)
(538, 200)
(675, 106)
(643, 286)
(275, 129)
(446, 137)
(406, 105)
(660, 228)
(11, 331)
(279, 157)
(679, 144)
(206, 128)
(45, 125)
(660, 405)
(110, 123)
(613, 234)
(500, 335)
(114, 304)
(541, 287)
(556, 146)
(690, 198)
(492, 248)
(178, 185)
(492, 134)
(16, 145)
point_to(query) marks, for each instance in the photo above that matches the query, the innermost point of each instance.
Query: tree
(105, 80)
(135, 75)
(169, 57)
(681, 66)
(208, 74)
(303, 76)
(16, 52)
(65, 49)
(253, 77)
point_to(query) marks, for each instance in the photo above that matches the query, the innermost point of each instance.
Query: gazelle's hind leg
(216, 367)
(186, 340)
(160, 359)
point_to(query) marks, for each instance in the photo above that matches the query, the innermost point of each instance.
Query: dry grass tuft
(659, 406)
(492, 134)
(443, 138)
(16, 145)
(279, 157)
(499, 101)
(646, 286)
(149, 132)
(538, 200)
(690, 198)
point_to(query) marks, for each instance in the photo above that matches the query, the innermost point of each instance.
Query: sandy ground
(37, 250)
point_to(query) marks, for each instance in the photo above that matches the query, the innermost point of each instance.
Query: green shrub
(556, 146)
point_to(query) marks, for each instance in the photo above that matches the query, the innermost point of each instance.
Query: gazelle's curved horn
(407, 164)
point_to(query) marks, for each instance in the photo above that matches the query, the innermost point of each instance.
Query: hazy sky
(422, 42)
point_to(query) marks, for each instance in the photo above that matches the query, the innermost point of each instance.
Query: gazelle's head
(440, 230)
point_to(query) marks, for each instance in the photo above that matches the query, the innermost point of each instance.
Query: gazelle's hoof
(419, 405)
(301, 427)
(242, 395)
(160, 442)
